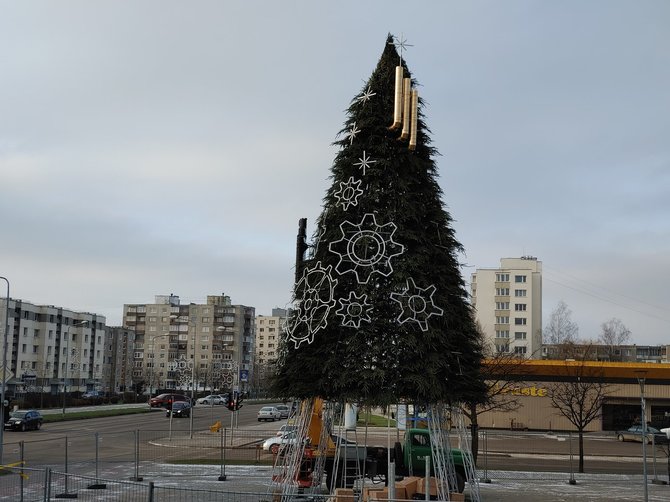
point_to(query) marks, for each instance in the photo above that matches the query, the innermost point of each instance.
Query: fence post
(572, 480)
(66, 494)
(21, 449)
(427, 484)
(97, 485)
(151, 492)
(485, 440)
(47, 484)
(137, 476)
(222, 476)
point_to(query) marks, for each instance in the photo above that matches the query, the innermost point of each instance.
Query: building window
(36, 333)
(520, 350)
(519, 335)
(501, 319)
(502, 349)
(502, 291)
(502, 333)
(519, 278)
(502, 277)
(519, 292)
(502, 305)
(520, 321)
(519, 307)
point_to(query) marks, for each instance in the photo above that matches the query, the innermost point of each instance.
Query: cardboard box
(421, 486)
(408, 485)
(457, 497)
(344, 495)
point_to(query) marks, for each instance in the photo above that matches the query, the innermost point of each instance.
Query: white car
(269, 413)
(284, 410)
(275, 443)
(211, 399)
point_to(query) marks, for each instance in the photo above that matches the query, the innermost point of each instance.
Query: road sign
(8, 374)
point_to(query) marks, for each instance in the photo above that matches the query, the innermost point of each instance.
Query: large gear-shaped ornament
(349, 193)
(366, 248)
(417, 304)
(354, 310)
(315, 295)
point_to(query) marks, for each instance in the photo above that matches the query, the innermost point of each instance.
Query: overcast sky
(156, 147)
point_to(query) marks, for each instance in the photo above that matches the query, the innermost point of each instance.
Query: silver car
(269, 413)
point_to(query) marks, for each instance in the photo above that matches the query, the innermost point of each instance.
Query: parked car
(23, 420)
(635, 434)
(284, 411)
(212, 399)
(286, 428)
(179, 409)
(269, 413)
(166, 400)
(276, 443)
(92, 394)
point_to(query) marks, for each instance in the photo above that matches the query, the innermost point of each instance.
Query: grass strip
(81, 415)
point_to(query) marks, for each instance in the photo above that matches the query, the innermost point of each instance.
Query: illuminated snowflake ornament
(417, 304)
(315, 294)
(349, 193)
(354, 310)
(366, 248)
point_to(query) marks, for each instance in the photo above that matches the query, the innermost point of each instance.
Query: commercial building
(508, 305)
(51, 346)
(210, 344)
(616, 384)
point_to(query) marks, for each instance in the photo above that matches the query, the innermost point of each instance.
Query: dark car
(23, 420)
(166, 400)
(635, 434)
(179, 409)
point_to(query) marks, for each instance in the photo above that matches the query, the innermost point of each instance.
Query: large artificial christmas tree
(381, 314)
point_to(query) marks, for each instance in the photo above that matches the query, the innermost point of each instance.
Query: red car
(166, 400)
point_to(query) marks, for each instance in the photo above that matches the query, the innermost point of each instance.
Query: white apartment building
(508, 305)
(210, 344)
(48, 346)
(269, 330)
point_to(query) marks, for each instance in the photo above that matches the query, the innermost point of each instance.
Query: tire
(23, 428)
(620, 438)
(274, 449)
(205, 402)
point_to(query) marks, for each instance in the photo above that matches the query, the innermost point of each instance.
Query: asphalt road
(116, 440)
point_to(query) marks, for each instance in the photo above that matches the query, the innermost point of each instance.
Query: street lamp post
(4, 368)
(641, 381)
(67, 359)
(188, 335)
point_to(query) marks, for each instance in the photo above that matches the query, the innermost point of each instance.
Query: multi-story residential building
(119, 354)
(508, 305)
(51, 346)
(268, 332)
(210, 344)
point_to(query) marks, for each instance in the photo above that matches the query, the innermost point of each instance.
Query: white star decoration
(364, 162)
(417, 304)
(365, 97)
(353, 132)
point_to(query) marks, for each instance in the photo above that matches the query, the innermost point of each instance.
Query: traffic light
(238, 402)
(230, 403)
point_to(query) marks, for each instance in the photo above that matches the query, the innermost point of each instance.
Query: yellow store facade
(533, 381)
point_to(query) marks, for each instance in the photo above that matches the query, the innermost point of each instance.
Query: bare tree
(500, 371)
(614, 334)
(579, 398)
(561, 328)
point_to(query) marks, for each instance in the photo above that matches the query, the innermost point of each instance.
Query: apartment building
(181, 346)
(119, 354)
(268, 330)
(51, 346)
(508, 305)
